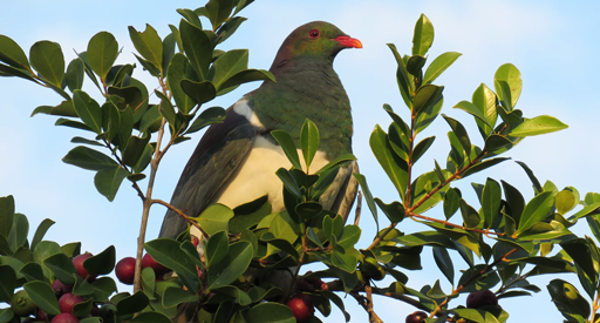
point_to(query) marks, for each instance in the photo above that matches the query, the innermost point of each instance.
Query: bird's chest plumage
(256, 177)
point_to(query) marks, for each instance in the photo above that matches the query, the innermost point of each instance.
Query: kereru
(235, 161)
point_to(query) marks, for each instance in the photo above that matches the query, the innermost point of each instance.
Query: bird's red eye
(313, 33)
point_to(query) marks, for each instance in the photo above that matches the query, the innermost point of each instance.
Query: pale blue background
(553, 43)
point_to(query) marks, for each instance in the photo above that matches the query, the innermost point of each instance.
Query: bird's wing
(343, 199)
(218, 154)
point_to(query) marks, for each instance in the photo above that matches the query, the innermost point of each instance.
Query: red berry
(40, 315)
(148, 261)
(81, 271)
(65, 318)
(195, 241)
(60, 288)
(125, 270)
(302, 307)
(481, 298)
(416, 317)
(68, 301)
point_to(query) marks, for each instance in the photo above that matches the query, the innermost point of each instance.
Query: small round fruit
(481, 298)
(148, 261)
(68, 301)
(40, 315)
(195, 241)
(302, 307)
(65, 318)
(125, 270)
(21, 304)
(81, 271)
(416, 317)
(60, 288)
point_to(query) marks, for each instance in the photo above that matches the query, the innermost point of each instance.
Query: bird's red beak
(348, 41)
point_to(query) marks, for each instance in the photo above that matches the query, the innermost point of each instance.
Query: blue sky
(553, 43)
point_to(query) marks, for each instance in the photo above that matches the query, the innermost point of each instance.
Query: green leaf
(8, 282)
(108, 181)
(230, 26)
(75, 74)
(421, 148)
(246, 76)
(460, 132)
(102, 52)
(309, 141)
(207, 117)
(474, 110)
(289, 147)
(40, 232)
(62, 267)
(483, 165)
(65, 108)
(568, 300)
(43, 296)
(215, 218)
(566, 200)
(88, 110)
(190, 16)
(475, 315)
(427, 96)
(444, 262)
(470, 215)
(415, 64)
(175, 74)
(102, 263)
(148, 44)
(135, 149)
(150, 317)
(174, 296)
(48, 60)
(216, 247)
(491, 201)
(168, 253)
(18, 234)
(362, 180)
(451, 202)
(232, 266)
(132, 304)
(11, 53)
(537, 210)
(404, 84)
(227, 65)
(198, 48)
(394, 167)
(7, 212)
(87, 158)
(537, 126)
(439, 65)
(423, 36)
(509, 74)
(270, 313)
(217, 11)
(201, 92)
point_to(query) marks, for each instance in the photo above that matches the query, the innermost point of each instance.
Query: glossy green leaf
(148, 44)
(362, 180)
(132, 304)
(470, 216)
(461, 133)
(108, 181)
(423, 36)
(88, 110)
(395, 168)
(509, 74)
(207, 117)
(568, 300)
(566, 200)
(427, 96)
(246, 76)
(404, 84)
(75, 74)
(8, 282)
(175, 74)
(537, 210)
(270, 313)
(62, 267)
(40, 232)
(65, 108)
(48, 60)
(483, 165)
(232, 266)
(197, 47)
(444, 262)
(135, 149)
(102, 52)
(174, 296)
(289, 147)
(43, 296)
(11, 53)
(227, 65)
(394, 211)
(87, 158)
(439, 65)
(415, 65)
(536, 184)
(167, 252)
(309, 141)
(485, 100)
(473, 110)
(421, 148)
(216, 247)
(537, 126)
(18, 235)
(102, 263)
(200, 92)
(289, 182)
(451, 202)
(491, 201)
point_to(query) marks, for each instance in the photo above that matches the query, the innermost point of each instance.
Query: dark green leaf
(415, 65)
(461, 133)
(135, 149)
(404, 84)
(102, 263)
(132, 304)
(40, 232)
(207, 117)
(108, 181)
(175, 74)
(421, 148)
(227, 65)
(148, 44)
(18, 235)
(65, 108)
(270, 313)
(47, 58)
(490, 201)
(62, 267)
(43, 296)
(11, 53)
(444, 262)
(470, 215)
(451, 202)
(233, 264)
(75, 74)
(394, 211)
(427, 97)
(8, 282)
(309, 141)
(230, 26)
(7, 212)
(88, 110)
(483, 165)
(198, 48)
(536, 184)
(395, 168)
(368, 196)
(537, 210)
(245, 76)
(201, 92)
(102, 52)
(167, 252)
(87, 158)
(289, 147)
(216, 247)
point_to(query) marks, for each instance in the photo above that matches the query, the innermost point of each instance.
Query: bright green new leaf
(148, 44)
(108, 181)
(423, 36)
(439, 65)
(102, 52)
(11, 53)
(47, 58)
(566, 200)
(537, 126)
(309, 141)
(512, 76)
(537, 210)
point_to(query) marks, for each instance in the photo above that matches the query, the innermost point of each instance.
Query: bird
(236, 160)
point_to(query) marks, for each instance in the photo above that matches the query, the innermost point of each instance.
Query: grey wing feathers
(218, 154)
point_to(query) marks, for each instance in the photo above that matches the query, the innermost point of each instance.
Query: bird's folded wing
(344, 199)
(220, 151)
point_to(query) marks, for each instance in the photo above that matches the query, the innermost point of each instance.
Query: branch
(179, 212)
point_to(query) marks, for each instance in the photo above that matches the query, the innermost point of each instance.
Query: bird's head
(314, 40)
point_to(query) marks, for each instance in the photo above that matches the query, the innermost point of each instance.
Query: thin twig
(182, 214)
